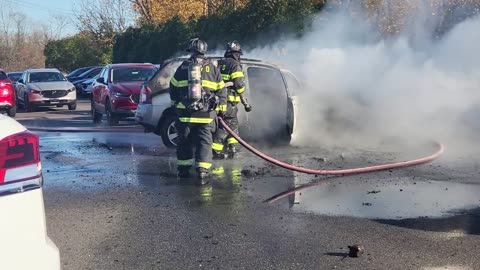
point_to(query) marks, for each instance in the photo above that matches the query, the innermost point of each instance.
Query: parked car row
(34, 88)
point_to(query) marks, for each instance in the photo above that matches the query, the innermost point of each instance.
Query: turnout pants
(221, 138)
(196, 137)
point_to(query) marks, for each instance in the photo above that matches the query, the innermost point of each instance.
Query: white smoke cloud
(361, 87)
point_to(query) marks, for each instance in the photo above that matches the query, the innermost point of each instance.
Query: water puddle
(388, 199)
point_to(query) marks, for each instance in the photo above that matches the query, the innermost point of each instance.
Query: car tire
(96, 116)
(72, 107)
(29, 107)
(112, 119)
(285, 138)
(12, 111)
(168, 131)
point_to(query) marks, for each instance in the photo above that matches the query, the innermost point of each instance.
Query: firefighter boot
(233, 151)
(219, 155)
(202, 176)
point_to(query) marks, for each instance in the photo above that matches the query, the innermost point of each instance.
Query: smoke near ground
(362, 85)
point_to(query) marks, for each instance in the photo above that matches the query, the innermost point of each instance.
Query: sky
(40, 11)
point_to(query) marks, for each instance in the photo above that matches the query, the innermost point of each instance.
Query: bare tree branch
(103, 18)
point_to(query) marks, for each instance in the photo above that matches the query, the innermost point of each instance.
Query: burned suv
(269, 90)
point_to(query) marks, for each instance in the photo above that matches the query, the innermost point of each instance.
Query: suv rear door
(269, 97)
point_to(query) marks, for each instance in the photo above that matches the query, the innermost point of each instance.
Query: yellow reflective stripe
(220, 85)
(181, 106)
(241, 90)
(236, 175)
(234, 98)
(236, 172)
(232, 141)
(226, 77)
(183, 83)
(186, 162)
(217, 146)
(238, 74)
(206, 193)
(209, 84)
(220, 170)
(222, 108)
(195, 120)
(213, 85)
(205, 165)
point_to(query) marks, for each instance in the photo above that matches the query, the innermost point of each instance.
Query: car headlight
(71, 89)
(117, 94)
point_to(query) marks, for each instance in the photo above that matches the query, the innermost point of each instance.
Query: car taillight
(6, 88)
(146, 95)
(20, 165)
(5, 83)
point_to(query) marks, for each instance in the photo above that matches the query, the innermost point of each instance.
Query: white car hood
(52, 85)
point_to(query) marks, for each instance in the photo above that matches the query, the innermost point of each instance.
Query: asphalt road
(113, 202)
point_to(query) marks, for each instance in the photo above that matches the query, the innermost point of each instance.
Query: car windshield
(132, 74)
(90, 73)
(77, 72)
(14, 76)
(36, 77)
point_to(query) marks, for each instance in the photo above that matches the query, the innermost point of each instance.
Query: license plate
(54, 101)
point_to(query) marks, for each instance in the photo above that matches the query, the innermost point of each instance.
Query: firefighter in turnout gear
(225, 145)
(198, 94)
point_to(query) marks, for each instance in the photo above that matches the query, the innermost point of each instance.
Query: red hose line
(389, 166)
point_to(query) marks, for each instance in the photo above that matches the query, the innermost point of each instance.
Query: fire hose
(388, 166)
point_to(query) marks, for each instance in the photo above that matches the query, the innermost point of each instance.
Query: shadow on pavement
(466, 221)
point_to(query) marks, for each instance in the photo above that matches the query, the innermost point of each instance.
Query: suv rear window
(3, 76)
(14, 77)
(294, 85)
(268, 95)
(161, 80)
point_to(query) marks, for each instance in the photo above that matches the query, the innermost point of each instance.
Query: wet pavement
(113, 202)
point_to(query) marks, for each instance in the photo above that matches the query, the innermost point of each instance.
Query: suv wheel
(27, 105)
(96, 116)
(12, 111)
(111, 117)
(72, 107)
(168, 132)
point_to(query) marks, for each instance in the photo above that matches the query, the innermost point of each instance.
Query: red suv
(116, 91)
(7, 95)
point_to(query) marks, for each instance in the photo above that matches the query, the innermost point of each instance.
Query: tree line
(22, 42)
(154, 30)
(162, 27)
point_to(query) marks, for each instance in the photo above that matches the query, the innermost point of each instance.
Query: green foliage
(260, 22)
(77, 51)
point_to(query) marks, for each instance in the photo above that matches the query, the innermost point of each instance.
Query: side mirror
(100, 80)
(20, 81)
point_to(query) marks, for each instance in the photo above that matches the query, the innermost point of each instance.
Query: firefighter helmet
(197, 46)
(234, 46)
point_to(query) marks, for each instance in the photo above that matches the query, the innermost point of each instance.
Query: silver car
(272, 97)
(45, 88)
(87, 86)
